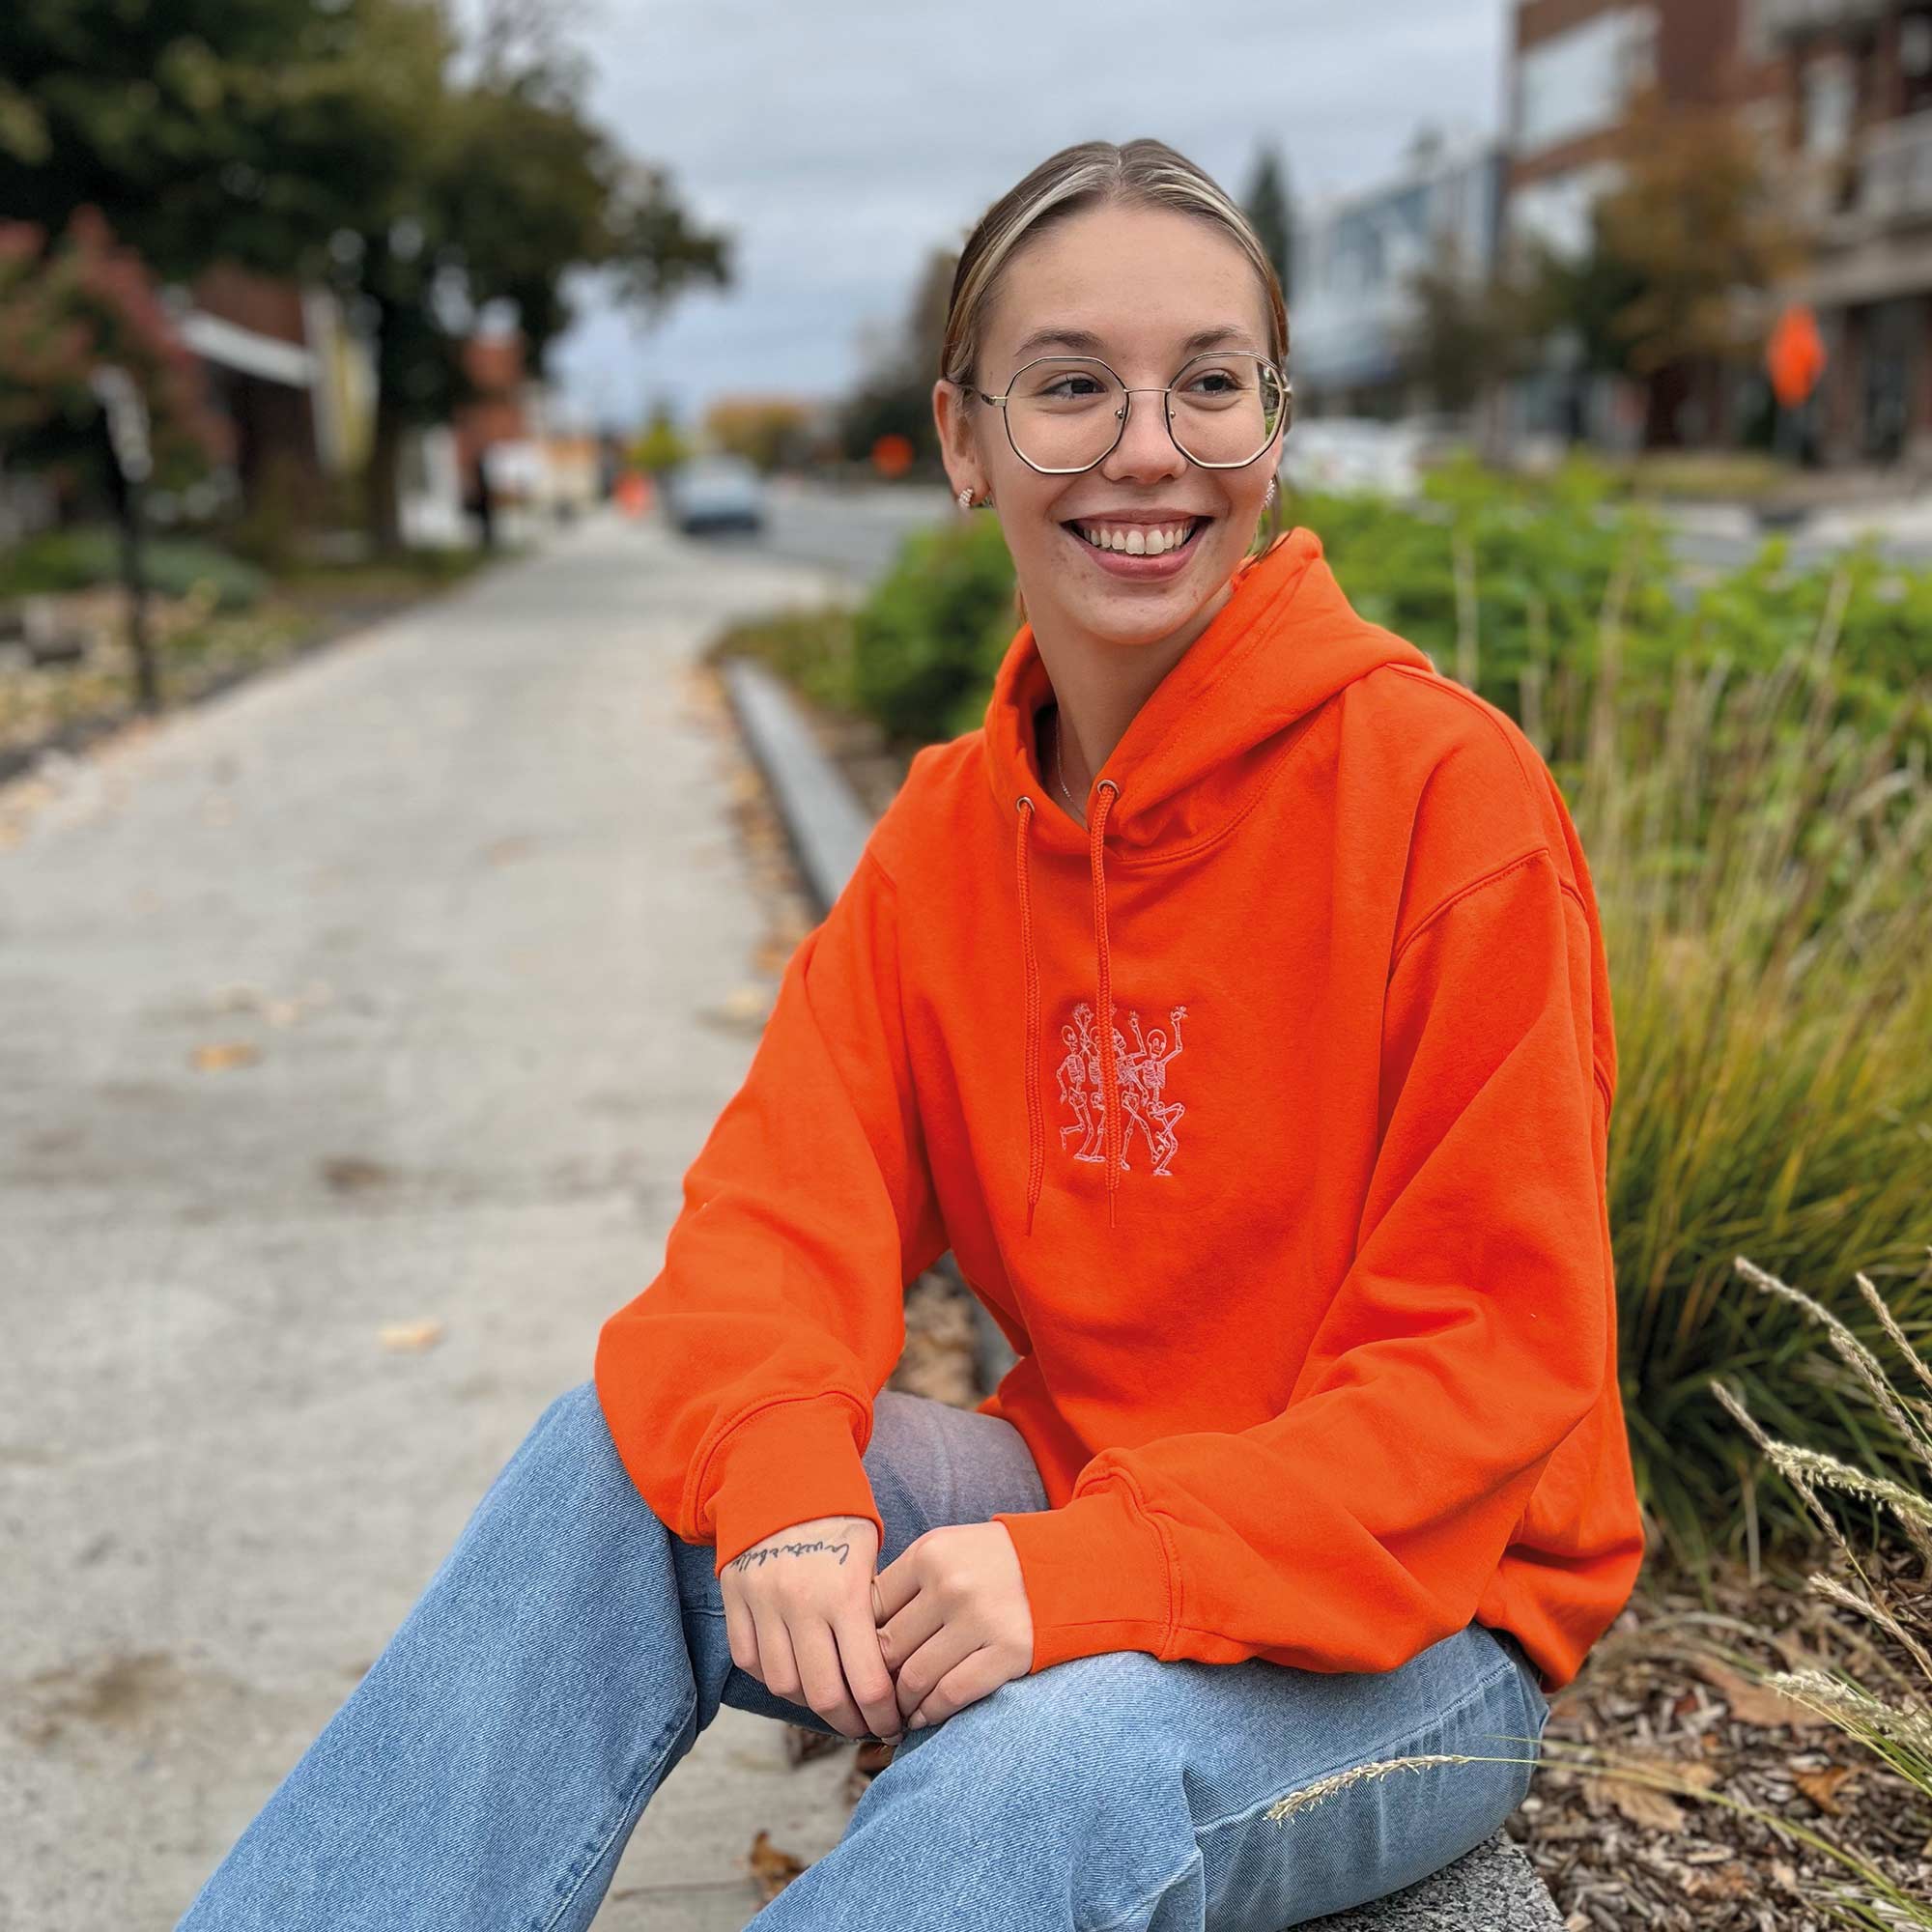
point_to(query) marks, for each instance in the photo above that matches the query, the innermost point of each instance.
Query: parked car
(716, 493)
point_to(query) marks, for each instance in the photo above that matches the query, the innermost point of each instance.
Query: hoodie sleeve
(738, 1386)
(1465, 1340)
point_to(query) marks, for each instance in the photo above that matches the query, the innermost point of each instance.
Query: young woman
(1233, 1004)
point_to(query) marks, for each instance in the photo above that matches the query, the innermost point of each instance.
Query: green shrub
(78, 558)
(928, 640)
(1762, 874)
(810, 647)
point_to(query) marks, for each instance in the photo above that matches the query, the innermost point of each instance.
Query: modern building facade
(1355, 255)
(1576, 69)
(1856, 101)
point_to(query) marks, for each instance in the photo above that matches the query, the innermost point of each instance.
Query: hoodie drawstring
(1109, 1108)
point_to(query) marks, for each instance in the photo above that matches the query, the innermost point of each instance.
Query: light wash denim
(491, 1766)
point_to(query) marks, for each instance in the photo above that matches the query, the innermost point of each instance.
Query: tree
(1695, 229)
(894, 395)
(1469, 329)
(507, 190)
(93, 374)
(426, 177)
(202, 129)
(772, 432)
(1270, 210)
(71, 308)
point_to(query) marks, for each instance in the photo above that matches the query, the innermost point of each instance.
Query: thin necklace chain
(1058, 771)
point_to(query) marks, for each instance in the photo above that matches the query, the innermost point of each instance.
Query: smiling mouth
(1195, 527)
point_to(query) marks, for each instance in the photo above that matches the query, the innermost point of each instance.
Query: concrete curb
(1494, 1884)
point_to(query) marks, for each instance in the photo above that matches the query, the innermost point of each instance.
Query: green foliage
(203, 129)
(810, 647)
(1762, 873)
(930, 638)
(76, 559)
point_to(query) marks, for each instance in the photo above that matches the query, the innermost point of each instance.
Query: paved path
(468, 884)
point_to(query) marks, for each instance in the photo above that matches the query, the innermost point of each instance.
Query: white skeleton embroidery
(1142, 1074)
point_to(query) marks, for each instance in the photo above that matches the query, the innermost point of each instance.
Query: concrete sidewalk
(453, 913)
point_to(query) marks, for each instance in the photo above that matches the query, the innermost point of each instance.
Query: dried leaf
(411, 1334)
(212, 1056)
(1638, 1799)
(1821, 1786)
(771, 1870)
(803, 1744)
(1642, 1804)
(1718, 1882)
(1753, 1704)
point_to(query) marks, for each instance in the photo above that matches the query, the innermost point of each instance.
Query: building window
(1579, 81)
(1831, 95)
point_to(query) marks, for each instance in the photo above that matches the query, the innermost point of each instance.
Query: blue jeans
(489, 1769)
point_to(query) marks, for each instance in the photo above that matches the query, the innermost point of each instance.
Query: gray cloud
(844, 140)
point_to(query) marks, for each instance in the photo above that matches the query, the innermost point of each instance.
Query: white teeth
(1135, 540)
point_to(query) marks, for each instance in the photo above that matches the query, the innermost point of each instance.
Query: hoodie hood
(1188, 765)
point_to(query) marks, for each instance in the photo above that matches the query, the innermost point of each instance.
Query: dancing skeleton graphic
(1142, 1074)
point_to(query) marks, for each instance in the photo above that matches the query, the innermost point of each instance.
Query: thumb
(878, 1604)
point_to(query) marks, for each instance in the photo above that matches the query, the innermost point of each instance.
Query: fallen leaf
(771, 1870)
(1754, 1703)
(215, 1055)
(411, 1334)
(1821, 1786)
(803, 1744)
(1640, 1801)
(1718, 1882)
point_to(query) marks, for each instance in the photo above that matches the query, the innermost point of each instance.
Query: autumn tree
(1683, 249)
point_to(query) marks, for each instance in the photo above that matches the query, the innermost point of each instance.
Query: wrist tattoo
(764, 1552)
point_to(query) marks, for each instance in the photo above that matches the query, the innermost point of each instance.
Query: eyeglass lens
(1063, 411)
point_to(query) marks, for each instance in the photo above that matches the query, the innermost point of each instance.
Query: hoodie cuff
(791, 1462)
(1098, 1578)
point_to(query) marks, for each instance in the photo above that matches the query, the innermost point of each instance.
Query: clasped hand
(946, 1624)
(954, 1619)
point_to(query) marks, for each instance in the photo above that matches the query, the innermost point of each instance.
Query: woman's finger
(822, 1675)
(866, 1676)
(742, 1632)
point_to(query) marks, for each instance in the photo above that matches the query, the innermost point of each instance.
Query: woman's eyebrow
(1087, 343)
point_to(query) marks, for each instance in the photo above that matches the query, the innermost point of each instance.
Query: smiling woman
(1120, 314)
(1256, 1069)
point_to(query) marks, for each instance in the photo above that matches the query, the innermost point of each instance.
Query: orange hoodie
(1305, 1256)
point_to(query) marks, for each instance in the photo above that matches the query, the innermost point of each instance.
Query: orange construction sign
(1795, 356)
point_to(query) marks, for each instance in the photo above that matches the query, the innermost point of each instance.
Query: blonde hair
(1097, 174)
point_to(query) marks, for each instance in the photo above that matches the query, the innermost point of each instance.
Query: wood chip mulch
(1663, 1690)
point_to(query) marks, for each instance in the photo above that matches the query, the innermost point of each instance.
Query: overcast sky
(841, 140)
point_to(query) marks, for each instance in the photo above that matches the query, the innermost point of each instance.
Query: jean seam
(1449, 1710)
(630, 1805)
(1383, 1751)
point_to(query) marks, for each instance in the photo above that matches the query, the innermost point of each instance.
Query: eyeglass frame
(1122, 414)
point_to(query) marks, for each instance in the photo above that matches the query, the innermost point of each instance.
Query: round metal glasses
(1057, 409)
